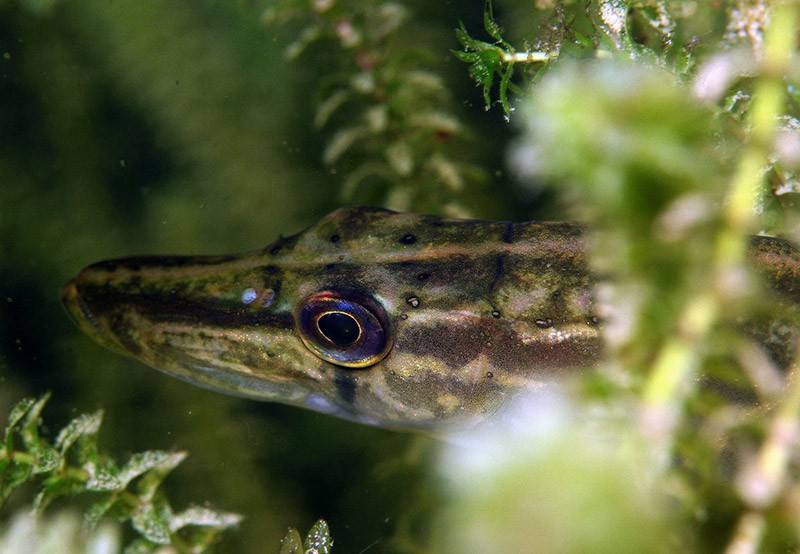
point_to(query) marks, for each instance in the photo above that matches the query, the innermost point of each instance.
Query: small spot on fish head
(544, 323)
(408, 238)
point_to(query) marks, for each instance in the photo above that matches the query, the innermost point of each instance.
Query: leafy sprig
(393, 134)
(642, 30)
(73, 464)
(489, 60)
(317, 541)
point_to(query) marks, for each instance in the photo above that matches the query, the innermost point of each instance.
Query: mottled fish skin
(474, 311)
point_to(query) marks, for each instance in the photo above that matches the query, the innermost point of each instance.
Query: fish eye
(344, 329)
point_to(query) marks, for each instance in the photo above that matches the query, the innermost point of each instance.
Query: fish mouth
(80, 312)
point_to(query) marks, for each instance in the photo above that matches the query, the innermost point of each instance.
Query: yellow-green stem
(680, 355)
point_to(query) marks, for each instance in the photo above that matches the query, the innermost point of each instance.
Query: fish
(399, 320)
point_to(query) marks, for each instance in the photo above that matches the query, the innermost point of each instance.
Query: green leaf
(103, 476)
(46, 459)
(505, 82)
(449, 173)
(99, 510)
(659, 18)
(401, 158)
(438, 121)
(469, 57)
(55, 485)
(486, 61)
(308, 36)
(152, 479)
(18, 412)
(152, 520)
(583, 40)
(291, 543)
(343, 141)
(30, 426)
(82, 426)
(156, 460)
(203, 516)
(329, 106)
(684, 62)
(318, 540)
(13, 475)
(490, 23)
(367, 172)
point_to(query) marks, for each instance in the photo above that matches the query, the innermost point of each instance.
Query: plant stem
(525, 57)
(680, 355)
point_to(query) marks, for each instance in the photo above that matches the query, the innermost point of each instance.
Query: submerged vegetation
(394, 135)
(72, 464)
(671, 127)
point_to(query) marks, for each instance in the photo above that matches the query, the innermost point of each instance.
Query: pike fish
(399, 320)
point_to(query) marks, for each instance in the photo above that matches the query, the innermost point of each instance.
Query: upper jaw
(82, 315)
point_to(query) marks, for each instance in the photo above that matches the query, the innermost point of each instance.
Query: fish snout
(82, 314)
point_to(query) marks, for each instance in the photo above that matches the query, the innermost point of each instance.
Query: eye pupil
(339, 328)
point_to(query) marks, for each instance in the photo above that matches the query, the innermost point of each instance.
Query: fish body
(400, 320)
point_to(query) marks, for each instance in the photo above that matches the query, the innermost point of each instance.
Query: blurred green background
(131, 127)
